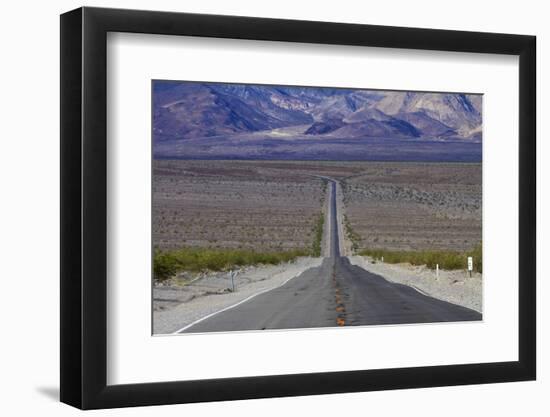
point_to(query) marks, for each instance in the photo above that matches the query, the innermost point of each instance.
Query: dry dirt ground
(273, 205)
(415, 206)
(234, 204)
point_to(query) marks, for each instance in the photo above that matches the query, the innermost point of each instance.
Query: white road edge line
(394, 282)
(239, 303)
(421, 292)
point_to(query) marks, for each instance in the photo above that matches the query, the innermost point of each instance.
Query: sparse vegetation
(352, 236)
(324, 186)
(259, 206)
(318, 235)
(415, 206)
(445, 259)
(168, 263)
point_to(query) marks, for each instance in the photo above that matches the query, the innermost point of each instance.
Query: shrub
(168, 263)
(446, 259)
(352, 236)
(165, 265)
(318, 235)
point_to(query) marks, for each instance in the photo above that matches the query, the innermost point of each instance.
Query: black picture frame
(84, 207)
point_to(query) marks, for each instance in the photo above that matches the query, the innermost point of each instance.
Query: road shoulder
(453, 286)
(211, 294)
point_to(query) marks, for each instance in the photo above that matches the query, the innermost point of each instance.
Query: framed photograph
(256, 208)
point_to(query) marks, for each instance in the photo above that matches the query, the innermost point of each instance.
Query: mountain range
(192, 115)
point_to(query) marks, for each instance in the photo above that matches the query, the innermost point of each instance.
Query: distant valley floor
(287, 144)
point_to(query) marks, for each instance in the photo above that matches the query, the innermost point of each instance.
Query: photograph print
(296, 207)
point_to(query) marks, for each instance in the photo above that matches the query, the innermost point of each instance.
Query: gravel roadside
(176, 306)
(453, 286)
(345, 243)
(325, 241)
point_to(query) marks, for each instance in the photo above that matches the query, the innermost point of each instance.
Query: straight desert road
(336, 293)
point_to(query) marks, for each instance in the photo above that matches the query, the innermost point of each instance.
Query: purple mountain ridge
(190, 114)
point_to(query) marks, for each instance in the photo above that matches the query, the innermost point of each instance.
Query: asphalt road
(336, 293)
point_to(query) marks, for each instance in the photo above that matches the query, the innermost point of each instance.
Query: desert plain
(274, 205)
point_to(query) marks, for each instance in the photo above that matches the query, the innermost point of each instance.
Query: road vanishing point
(336, 293)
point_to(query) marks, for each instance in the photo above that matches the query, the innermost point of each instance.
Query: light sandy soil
(453, 286)
(176, 306)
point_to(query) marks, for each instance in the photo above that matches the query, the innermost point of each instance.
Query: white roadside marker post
(436, 271)
(232, 275)
(470, 265)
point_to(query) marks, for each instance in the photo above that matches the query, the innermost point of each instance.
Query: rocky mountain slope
(189, 110)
